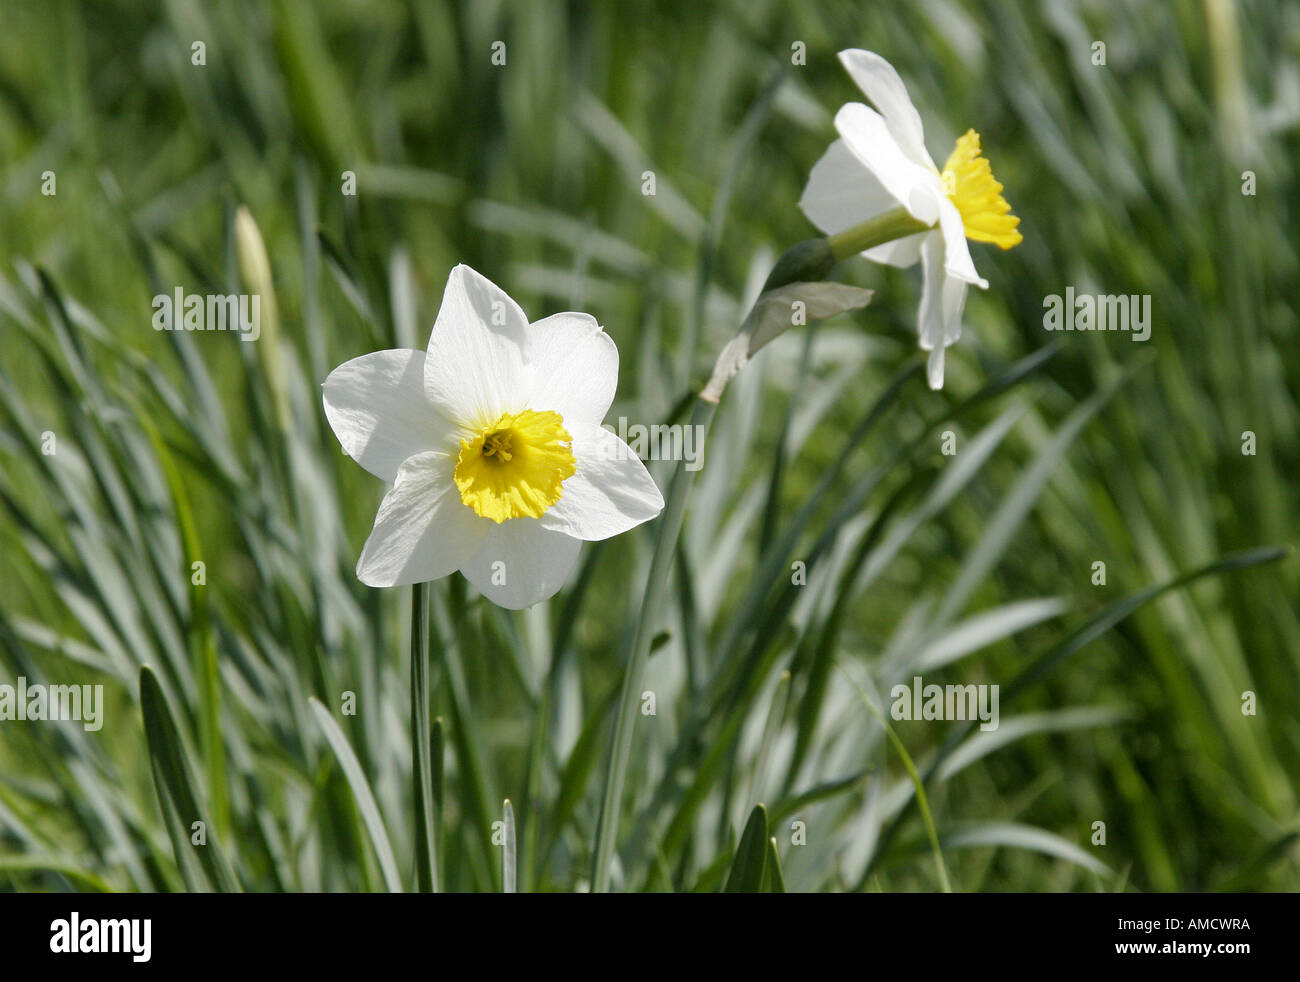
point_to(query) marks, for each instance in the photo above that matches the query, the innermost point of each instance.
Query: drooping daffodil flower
(493, 444)
(880, 163)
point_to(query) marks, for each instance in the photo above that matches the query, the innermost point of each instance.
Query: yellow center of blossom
(514, 467)
(969, 183)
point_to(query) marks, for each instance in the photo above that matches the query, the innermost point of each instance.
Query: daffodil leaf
(356, 779)
(509, 858)
(1017, 836)
(578, 769)
(751, 855)
(773, 880)
(203, 866)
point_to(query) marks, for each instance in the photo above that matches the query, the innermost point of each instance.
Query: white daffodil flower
(493, 444)
(880, 163)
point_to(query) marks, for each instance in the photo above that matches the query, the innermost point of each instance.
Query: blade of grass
(204, 866)
(509, 860)
(426, 864)
(912, 774)
(1078, 639)
(773, 878)
(365, 798)
(750, 864)
(668, 530)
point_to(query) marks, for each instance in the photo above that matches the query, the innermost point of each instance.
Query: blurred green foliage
(1128, 177)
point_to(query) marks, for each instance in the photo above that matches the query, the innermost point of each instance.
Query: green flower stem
(669, 531)
(812, 260)
(426, 870)
(886, 227)
(809, 261)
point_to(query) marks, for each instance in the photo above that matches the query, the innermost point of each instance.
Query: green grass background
(1073, 448)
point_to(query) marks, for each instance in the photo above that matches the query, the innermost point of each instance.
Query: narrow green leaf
(773, 879)
(669, 529)
(1078, 639)
(509, 860)
(1018, 836)
(912, 774)
(53, 864)
(365, 798)
(1248, 877)
(426, 865)
(578, 770)
(751, 855)
(820, 792)
(204, 866)
(437, 756)
(202, 640)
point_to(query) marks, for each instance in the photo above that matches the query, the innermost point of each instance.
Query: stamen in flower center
(969, 183)
(515, 467)
(498, 443)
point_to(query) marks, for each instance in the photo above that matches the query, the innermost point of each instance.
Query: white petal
(943, 298)
(476, 365)
(423, 530)
(881, 84)
(913, 185)
(954, 301)
(902, 252)
(378, 410)
(521, 563)
(956, 253)
(929, 318)
(609, 493)
(841, 191)
(934, 368)
(574, 365)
